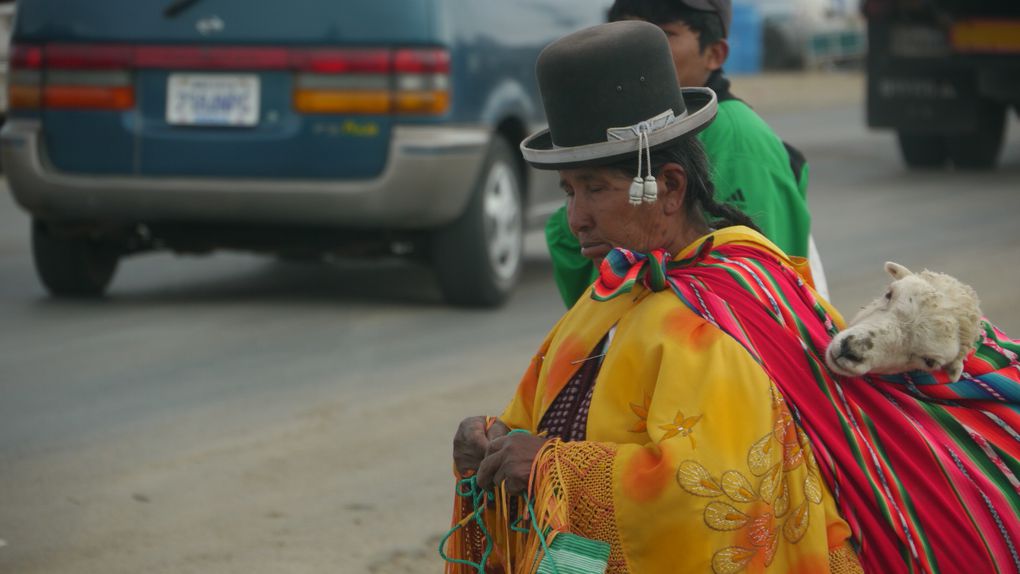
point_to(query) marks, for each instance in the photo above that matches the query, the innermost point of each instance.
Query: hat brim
(538, 149)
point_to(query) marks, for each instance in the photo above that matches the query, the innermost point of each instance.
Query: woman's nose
(578, 215)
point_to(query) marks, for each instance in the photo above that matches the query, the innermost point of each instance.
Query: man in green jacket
(752, 169)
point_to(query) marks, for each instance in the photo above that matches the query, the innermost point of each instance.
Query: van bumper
(427, 182)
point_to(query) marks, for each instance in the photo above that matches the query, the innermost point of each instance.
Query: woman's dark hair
(699, 199)
(708, 25)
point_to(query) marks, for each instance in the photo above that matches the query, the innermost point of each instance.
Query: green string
(478, 497)
(468, 487)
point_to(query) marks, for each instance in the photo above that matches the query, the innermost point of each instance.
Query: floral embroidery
(642, 412)
(682, 426)
(758, 503)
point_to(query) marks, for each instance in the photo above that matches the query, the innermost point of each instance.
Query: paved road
(234, 414)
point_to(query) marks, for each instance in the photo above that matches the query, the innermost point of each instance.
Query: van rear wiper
(176, 7)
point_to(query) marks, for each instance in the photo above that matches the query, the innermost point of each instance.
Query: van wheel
(478, 257)
(979, 149)
(923, 150)
(71, 266)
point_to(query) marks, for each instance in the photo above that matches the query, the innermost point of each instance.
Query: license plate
(213, 100)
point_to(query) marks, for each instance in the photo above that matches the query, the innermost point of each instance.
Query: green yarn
(567, 554)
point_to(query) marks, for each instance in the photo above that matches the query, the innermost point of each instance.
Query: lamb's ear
(954, 370)
(896, 270)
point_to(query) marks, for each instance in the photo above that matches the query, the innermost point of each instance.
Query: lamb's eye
(888, 295)
(930, 363)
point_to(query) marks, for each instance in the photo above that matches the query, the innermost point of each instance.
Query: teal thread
(468, 487)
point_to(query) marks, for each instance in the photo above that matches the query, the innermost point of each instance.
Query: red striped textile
(924, 471)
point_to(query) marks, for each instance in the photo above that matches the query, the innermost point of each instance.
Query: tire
(71, 266)
(979, 149)
(923, 150)
(478, 257)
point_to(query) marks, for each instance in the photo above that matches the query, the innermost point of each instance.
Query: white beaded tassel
(650, 188)
(637, 185)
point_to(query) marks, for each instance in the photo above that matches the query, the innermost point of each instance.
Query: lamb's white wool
(926, 321)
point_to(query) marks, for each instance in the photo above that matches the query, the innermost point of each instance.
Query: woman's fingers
(488, 468)
(469, 444)
(497, 430)
(508, 459)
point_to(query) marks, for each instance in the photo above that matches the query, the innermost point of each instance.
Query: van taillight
(406, 81)
(64, 76)
(24, 89)
(375, 81)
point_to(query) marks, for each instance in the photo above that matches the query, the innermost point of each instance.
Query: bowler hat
(611, 91)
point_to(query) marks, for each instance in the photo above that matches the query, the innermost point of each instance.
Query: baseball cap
(724, 8)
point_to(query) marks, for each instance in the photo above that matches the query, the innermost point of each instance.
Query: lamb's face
(911, 328)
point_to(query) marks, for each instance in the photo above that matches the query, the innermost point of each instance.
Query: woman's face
(600, 214)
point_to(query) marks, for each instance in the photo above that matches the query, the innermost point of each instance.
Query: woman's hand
(509, 460)
(472, 441)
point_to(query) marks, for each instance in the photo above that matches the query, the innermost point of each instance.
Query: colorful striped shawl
(923, 471)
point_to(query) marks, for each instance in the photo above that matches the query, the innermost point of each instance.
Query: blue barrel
(745, 40)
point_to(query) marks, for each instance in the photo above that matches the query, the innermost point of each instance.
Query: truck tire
(71, 266)
(478, 257)
(979, 149)
(923, 150)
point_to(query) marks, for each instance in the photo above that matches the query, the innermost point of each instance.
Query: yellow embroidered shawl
(692, 462)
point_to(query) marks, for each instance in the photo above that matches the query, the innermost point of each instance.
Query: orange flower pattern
(642, 413)
(682, 426)
(760, 502)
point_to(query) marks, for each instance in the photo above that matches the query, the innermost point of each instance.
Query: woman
(681, 414)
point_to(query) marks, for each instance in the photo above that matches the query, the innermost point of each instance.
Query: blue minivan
(299, 128)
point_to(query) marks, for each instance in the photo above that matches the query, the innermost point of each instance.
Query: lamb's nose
(845, 352)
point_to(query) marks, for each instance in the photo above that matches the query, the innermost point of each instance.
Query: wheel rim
(503, 221)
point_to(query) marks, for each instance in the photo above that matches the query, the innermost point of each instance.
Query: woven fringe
(517, 547)
(549, 500)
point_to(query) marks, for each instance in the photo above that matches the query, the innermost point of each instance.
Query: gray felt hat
(610, 92)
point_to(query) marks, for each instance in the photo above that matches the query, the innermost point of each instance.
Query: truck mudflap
(942, 100)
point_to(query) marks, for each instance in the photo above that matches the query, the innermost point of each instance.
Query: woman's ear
(673, 188)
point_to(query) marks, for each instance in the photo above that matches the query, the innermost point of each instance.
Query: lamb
(926, 321)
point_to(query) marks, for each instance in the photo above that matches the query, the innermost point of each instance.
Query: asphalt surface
(237, 414)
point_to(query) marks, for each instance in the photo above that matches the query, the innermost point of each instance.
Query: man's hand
(509, 460)
(471, 442)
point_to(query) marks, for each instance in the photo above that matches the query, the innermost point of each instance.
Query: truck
(943, 74)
